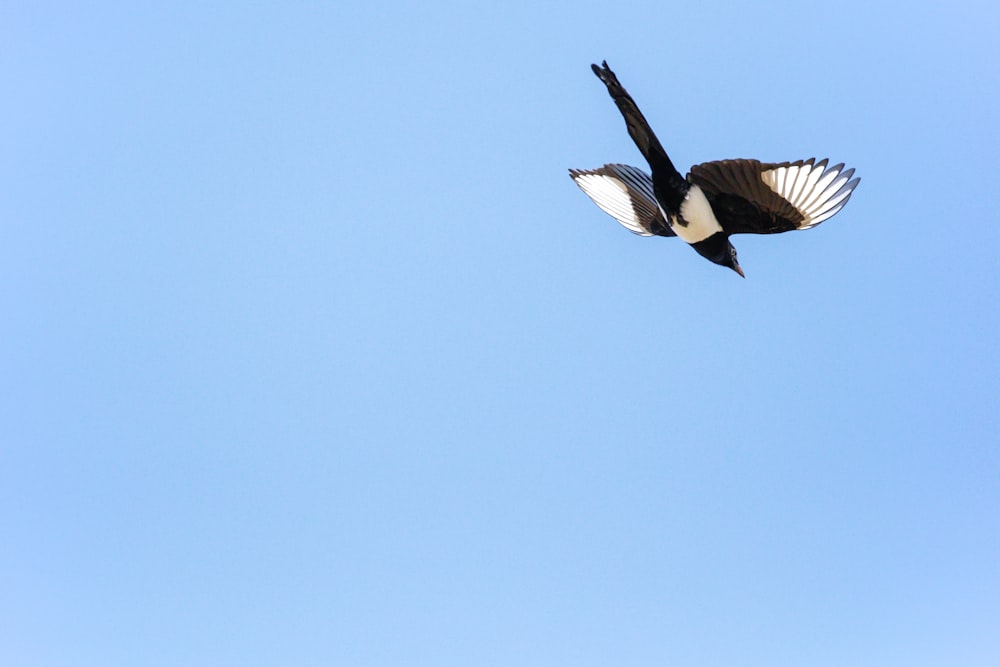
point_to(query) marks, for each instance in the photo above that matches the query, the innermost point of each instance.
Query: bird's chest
(696, 221)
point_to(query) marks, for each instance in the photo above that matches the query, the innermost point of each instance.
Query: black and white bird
(717, 199)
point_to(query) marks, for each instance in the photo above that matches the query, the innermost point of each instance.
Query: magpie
(717, 199)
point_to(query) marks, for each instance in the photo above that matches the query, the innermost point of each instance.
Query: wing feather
(811, 179)
(626, 194)
(751, 197)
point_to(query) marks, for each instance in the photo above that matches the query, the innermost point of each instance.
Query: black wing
(668, 183)
(750, 197)
(626, 194)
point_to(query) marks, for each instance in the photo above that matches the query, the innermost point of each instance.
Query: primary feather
(626, 194)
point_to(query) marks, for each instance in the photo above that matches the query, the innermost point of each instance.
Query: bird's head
(730, 260)
(717, 248)
(727, 257)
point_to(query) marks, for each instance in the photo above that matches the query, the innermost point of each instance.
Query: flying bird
(717, 199)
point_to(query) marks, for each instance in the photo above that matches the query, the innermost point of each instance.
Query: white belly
(697, 213)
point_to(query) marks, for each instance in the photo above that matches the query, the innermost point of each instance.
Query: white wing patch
(623, 192)
(815, 190)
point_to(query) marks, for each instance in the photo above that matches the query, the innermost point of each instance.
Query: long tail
(670, 186)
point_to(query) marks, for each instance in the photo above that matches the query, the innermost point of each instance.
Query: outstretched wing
(668, 180)
(750, 197)
(626, 194)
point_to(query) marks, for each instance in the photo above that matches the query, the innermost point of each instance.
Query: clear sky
(313, 354)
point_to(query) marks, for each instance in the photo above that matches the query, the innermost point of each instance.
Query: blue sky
(313, 354)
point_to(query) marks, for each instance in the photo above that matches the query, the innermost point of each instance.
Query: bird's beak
(739, 270)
